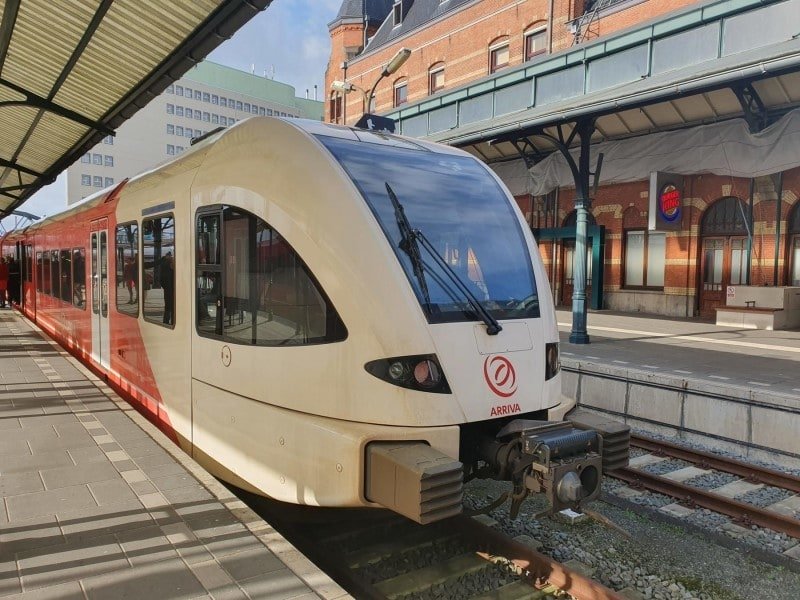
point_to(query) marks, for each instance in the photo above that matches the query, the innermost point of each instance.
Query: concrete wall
(752, 423)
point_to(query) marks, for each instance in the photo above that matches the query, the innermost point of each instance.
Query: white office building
(206, 97)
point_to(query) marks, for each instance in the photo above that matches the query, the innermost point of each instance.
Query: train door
(98, 245)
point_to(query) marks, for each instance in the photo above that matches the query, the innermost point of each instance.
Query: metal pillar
(578, 335)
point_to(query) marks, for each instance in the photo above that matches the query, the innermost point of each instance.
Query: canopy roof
(72, 71)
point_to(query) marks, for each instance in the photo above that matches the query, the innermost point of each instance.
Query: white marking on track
(683, 372)
(621, 362)
(759, 383)
(651, 367)
(594, 357)
(718, 377)
(694, 338)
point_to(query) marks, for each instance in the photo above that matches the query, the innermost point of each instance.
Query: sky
(289, 39)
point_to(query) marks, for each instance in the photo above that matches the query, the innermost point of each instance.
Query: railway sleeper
(427, 577)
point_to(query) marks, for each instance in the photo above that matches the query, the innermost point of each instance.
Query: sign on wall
(666, 202)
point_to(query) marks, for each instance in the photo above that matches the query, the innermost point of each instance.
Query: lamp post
(346, 87)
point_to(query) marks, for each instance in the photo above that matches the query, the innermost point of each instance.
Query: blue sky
(290, 38)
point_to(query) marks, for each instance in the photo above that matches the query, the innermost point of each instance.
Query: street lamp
(346, 87)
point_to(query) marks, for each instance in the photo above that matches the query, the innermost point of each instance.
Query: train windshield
(463, 215)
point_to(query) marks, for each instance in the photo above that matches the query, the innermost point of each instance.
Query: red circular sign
(500, 375)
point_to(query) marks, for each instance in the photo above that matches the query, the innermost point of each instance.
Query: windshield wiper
(492, 326)
(409, 244)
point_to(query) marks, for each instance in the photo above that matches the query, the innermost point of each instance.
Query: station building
(208, 96)
(692, 106)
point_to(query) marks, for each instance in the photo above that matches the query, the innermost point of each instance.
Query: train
(322, 315)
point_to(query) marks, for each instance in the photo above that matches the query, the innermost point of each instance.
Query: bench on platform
(752, 317)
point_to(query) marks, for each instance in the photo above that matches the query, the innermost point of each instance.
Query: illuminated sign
(666, 202)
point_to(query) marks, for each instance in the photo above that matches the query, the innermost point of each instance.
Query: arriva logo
(500, 375)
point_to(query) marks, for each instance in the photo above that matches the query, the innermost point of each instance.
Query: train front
(478, 279)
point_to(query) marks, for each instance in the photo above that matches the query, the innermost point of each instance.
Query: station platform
(686, 377)
(97, 503)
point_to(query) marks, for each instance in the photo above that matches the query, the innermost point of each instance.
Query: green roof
(234, 80)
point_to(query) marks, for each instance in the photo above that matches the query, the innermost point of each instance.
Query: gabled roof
(72, 71)
(354, 9)
(416, 14)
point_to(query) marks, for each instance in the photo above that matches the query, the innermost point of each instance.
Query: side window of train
(55, 279)
(79, 277)
(253, 288)
(66, 275)
(158, 276)
(46, 272)
(127, 268)
(29, 263)
(39, 272)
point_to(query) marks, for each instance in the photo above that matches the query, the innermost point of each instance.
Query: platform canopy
(72, 71)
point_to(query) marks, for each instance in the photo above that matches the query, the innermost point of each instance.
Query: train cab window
(39, 272)
(79, 277)
(127, 268)
(65, 258)
(261, 292)
(158, 259)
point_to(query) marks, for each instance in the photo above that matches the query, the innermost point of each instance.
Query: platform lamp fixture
(397, 61)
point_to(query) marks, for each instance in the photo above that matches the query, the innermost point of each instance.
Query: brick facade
(461, 41)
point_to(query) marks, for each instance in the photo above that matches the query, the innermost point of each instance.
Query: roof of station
(723, 59)
(72, 71)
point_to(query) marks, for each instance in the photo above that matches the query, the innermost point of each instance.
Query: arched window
(725, 217)
(499, 54)
(401, 91)
(335, 107)
(535, 39)
(794, 245)
(436, 77)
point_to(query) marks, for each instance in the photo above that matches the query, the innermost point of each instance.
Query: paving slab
(96, 503)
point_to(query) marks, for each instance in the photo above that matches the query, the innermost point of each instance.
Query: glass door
(98, 244)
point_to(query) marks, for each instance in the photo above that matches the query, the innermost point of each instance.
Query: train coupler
(552, 458)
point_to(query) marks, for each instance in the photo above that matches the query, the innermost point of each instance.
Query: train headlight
(421, 373)
(552, 361)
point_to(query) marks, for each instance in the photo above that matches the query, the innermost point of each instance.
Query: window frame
(138, 269)
(494, 48)
(400, 84)
(645, 259)
(151, 320)
(528, 36)
(434, 70)
(82, 252)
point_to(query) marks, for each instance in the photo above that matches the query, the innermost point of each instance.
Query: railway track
(378, 555)
(678, 484)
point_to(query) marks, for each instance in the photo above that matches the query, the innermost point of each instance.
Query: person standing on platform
(3, 281)
(167, 281)
(13, 281)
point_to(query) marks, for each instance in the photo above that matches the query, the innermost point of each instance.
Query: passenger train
(322, 315)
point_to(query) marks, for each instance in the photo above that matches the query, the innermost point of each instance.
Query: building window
(197, 133)
(179, 111)
(239, 105)
(188, 133)
(269, 112)
(97, 181)
(86, 180)
(170, 149)
(108, 160)
(335, 107)
(645, 252)
(215, 118)
(179, 90)
(170, 89)
(188, 93)
(436, 78)
(109, 139)
(206, 97)
(262, 111)
(499, 55)
(206, 117)
(178, 130)
(97, 159)
(246, 107)
(397, 13)
(214, 99)
(535, 43)
(179, 149)
(86, 158)
(223, 121)
(158, 281)
(198, 95)
(170, 109)
(170, 129)
(269, 298)
(401, 92)
(254, 109)
(223, 101)
(109, 181)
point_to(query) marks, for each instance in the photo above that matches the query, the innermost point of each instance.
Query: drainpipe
(778, 204)
(550, 9)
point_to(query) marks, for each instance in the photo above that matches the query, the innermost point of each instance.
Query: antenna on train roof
(207, 134)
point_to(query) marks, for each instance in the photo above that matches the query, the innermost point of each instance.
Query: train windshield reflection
(465, 215)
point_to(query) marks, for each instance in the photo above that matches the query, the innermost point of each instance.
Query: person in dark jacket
(3, 281)
(166, 278)
(13, 281)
